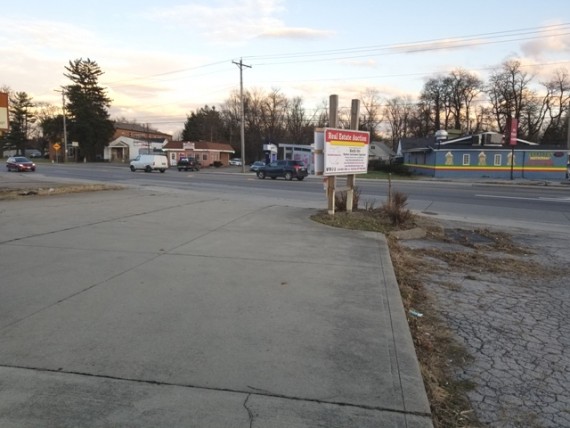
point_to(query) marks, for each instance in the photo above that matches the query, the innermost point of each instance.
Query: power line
(379, 50)
(412, 45)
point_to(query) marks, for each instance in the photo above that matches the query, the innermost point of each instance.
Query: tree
(87, 109)
(463, 88)
(435, 96)
(274, 113)
(508, 91)
(298, 129)
(371, 113)
(398, 114)
(204, 124)
(21, 118)
(558, 107)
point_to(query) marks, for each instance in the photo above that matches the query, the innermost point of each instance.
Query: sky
(164, 60)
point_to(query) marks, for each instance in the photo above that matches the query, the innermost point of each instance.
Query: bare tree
(398, 113)
(463, 88)
(371, 113)
(435, 96)
(558, 89)
(274, 114)
(508, 91)
(298, 128)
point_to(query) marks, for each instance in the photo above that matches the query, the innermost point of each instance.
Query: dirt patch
(10, 193)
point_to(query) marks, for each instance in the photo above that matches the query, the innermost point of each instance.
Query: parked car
(288, 169)
(149, 163)
(188, 163)
(254, 167)
(235, 161)
(19, 163)
(33, 153)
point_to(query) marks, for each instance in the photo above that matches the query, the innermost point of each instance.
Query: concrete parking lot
(142, 308)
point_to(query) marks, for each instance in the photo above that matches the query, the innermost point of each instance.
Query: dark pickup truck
(188, 164)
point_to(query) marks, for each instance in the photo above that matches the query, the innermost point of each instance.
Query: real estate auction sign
(346, 152)
(3, 111)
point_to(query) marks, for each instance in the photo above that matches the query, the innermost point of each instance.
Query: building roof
(136, 127)
(217, 147)
(381, 149)
(487, 140)
(200, 146)
(173, 145)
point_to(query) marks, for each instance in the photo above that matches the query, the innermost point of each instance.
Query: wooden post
(351, 178)
(331, 182)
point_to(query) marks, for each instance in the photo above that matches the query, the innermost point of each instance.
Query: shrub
(217, 164)
(395, 208)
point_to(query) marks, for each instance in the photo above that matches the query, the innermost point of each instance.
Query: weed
(395, 208)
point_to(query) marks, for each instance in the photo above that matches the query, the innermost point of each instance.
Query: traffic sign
(56, 147)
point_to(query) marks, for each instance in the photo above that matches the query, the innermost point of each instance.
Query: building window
(204, 157)
(497, 160)
(466, 160)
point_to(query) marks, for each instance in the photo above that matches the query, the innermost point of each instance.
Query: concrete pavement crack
(249, 411)
(206, 388)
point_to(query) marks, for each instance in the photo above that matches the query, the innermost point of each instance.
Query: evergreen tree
(89, 122)
(205, 124)
(21, 117)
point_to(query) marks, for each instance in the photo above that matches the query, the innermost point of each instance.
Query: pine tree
(89, 122)
(21, 117)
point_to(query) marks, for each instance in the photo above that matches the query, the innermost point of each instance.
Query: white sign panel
(346, 152)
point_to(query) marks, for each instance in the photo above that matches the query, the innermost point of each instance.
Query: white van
(149, 163)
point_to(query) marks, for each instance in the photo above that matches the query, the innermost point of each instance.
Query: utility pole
(568, 143)
(241, 65)
(64, 123)
(568, 132)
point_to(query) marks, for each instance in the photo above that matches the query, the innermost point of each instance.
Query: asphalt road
(536, 205)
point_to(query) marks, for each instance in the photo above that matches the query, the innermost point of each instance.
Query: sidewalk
(142, 308)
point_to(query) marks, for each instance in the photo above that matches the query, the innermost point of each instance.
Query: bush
(217, 164)
(340, 200)
(395, 208)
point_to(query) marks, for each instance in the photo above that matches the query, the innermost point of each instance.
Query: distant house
(133, 139)
(483, 156)
(205, 152)
(379, 150)
(124, 149)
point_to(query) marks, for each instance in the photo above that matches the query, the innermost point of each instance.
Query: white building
(123, 149)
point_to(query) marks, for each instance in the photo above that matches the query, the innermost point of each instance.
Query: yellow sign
(56, 147)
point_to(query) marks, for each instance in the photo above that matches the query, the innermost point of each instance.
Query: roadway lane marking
(565, 200)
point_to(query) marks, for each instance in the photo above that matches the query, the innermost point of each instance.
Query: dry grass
(7, 193)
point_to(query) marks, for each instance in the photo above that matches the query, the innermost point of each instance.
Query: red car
(20, 163)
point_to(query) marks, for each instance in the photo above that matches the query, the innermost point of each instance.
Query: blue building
(484, 156)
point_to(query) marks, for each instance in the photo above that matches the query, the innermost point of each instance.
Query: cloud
(437, 45)
(294, 33)
(538, 49)
(370, 63)
(234, 21)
